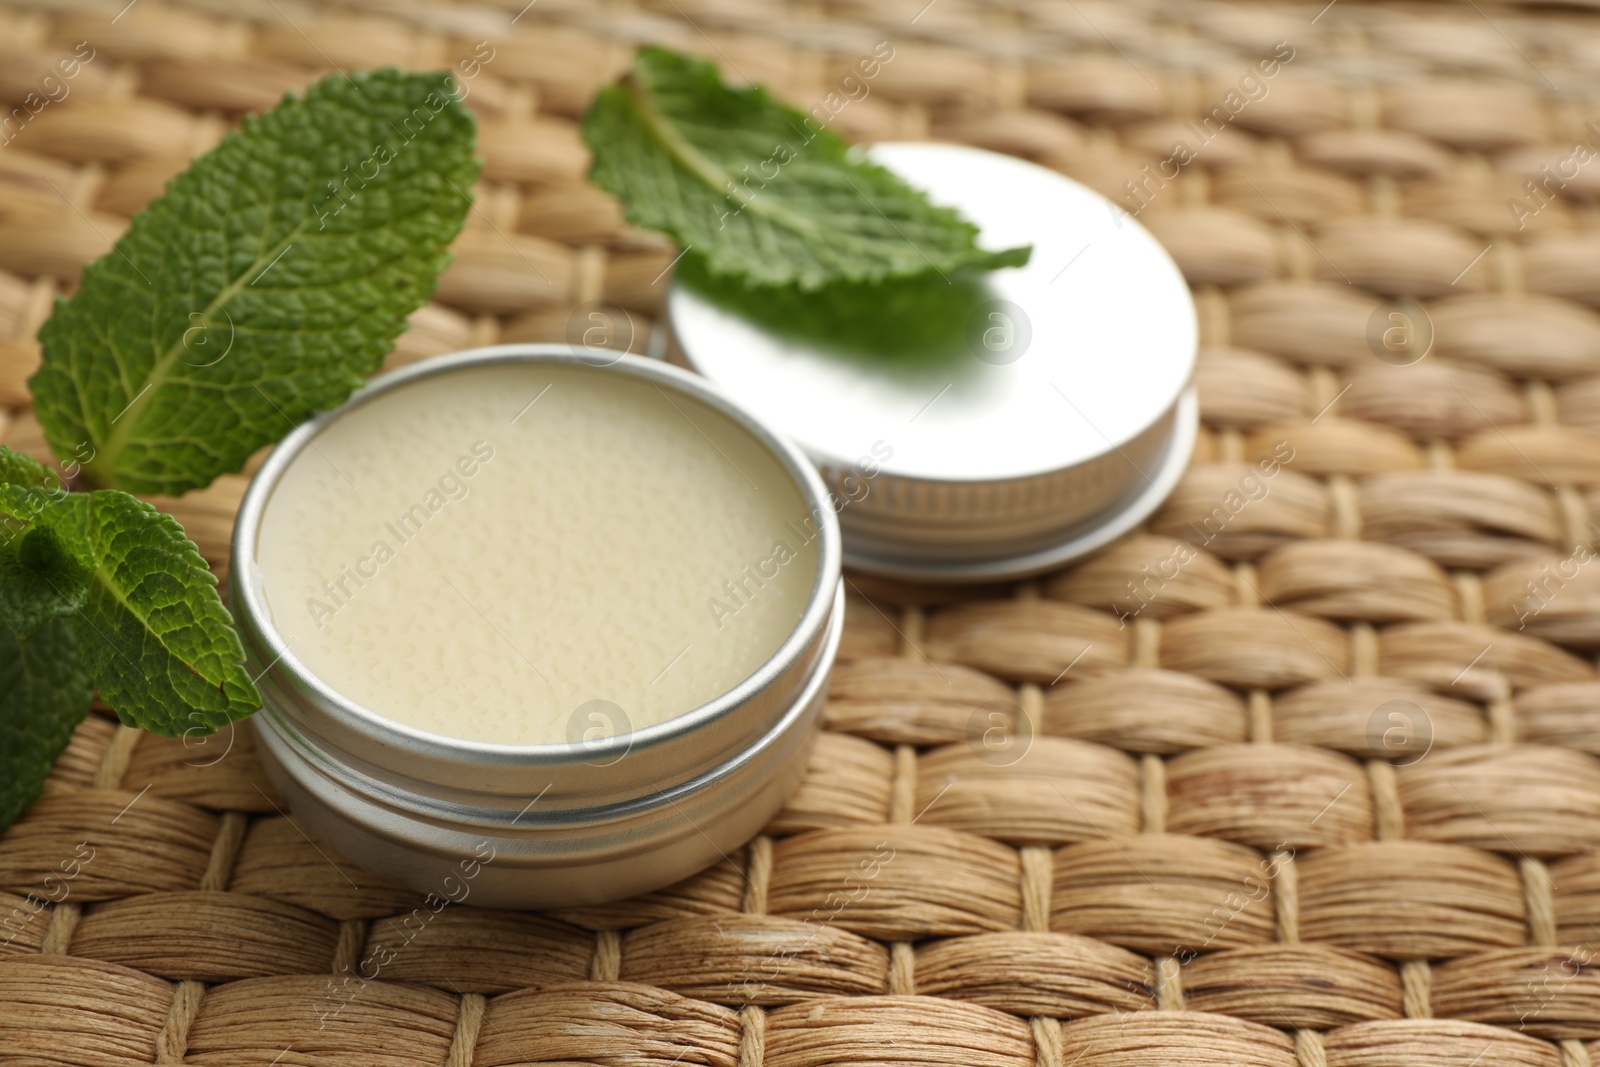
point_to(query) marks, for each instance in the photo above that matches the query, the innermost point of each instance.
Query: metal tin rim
(392, 799)
(255, 622)
(1081, 540)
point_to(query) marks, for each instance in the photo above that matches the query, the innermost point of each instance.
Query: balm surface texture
(534, 554)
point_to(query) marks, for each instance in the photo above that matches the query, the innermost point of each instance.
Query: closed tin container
(554, 824)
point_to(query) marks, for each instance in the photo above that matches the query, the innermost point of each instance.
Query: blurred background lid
(1022, 419)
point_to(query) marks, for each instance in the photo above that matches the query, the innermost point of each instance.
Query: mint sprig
(18, 469)
(44, 686)
(270, 279)
(142, 605)
(44, 694)
(760, 191)
(267, 282)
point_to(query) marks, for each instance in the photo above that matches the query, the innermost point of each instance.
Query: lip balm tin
(1070, 420)
(543, 825)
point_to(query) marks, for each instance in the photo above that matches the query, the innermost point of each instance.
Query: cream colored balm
(534, 554)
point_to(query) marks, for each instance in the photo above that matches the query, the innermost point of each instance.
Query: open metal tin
(1060, 416)
(553, 824)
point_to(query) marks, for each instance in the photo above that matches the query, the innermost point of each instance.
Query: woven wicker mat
(1316, 776)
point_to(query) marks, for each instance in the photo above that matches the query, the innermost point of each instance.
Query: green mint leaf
(39, 578)
(17, 468)
(922, 319)
(154, 634)
(761, 191)
(44, 694)
(44, 689)
(267, 282)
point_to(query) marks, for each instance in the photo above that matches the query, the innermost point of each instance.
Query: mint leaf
(263, 286)
(16, 468)
(922, 319)
(44, 694)
(143, 607)
(39, 579)
(26, 598)
(762, 191)
(44, 690)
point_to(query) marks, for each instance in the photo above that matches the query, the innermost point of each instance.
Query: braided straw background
(1222, 848)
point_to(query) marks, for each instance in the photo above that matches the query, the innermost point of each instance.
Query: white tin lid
(1065, 419)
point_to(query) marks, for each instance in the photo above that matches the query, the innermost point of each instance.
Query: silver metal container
(540, 825)
(1057, 419)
